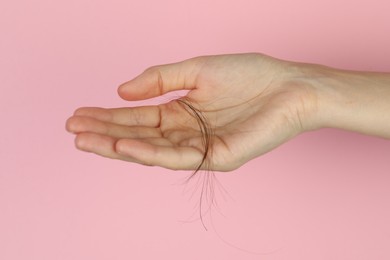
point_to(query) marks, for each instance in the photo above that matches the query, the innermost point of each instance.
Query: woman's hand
(251, 104)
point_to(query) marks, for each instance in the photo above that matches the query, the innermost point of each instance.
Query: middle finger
(79, 124)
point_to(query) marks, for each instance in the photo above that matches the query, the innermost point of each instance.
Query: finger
(174, 157)
(78, 124)
(130, 116)
(101, 145)
(159, 80)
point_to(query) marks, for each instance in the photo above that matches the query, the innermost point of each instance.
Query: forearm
(354, 101)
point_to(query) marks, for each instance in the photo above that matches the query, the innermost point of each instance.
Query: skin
(252, 103)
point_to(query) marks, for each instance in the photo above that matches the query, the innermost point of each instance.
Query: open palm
(237, 108)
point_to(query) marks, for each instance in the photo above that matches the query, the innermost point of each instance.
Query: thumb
(158, 80)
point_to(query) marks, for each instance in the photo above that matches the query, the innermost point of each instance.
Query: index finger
(130, 116)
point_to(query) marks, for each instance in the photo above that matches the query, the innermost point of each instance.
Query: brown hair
(205, 163)
(205, 130)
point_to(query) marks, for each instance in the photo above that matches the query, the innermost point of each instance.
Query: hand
(251, 103)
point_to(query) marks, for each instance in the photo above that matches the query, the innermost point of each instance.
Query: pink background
(323, 195)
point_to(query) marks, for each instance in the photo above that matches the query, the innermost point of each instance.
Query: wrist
(350, 100)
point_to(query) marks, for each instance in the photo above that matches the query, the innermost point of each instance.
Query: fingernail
(119, 149)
